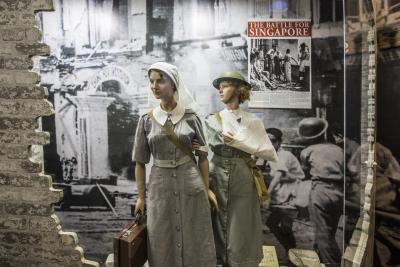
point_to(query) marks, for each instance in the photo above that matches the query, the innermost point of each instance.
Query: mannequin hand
(213, 199)
(195, 144)
(139, 205)
(228, 137)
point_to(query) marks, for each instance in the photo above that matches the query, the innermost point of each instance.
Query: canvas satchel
(261, 187)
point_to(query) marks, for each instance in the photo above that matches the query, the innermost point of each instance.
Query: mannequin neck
(233, 103)
(168, 105)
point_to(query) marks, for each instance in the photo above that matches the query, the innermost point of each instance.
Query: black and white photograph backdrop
(97, 80)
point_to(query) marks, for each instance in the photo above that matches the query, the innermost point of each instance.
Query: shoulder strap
(172, 136)
(218, 117)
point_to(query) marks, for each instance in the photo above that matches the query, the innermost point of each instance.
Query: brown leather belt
(230, 152)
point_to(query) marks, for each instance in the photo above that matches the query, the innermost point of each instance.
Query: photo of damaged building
(97, 74)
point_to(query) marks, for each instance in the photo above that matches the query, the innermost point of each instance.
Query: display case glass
(309, 63)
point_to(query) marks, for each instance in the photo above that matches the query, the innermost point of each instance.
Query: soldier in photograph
(275, 58)
(285, 173)
(323, 162)
(258, 78)
(304, 64)
(287, 61)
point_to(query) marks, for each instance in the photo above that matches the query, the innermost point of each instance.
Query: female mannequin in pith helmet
(234, 135)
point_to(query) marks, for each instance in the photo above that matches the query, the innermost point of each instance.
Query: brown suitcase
(130, 245)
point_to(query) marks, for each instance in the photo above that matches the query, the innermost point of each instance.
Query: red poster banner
(287, 28)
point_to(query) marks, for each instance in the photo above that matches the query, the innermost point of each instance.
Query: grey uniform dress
(237, 224)
(178, 210)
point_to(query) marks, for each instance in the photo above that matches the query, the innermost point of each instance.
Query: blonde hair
(244, 92)
(243, 89)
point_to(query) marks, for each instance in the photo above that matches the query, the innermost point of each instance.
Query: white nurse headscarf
(181, 95)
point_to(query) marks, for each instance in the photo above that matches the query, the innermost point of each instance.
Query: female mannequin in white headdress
(178, 209)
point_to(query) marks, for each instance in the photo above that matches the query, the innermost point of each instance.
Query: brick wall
(30, 232)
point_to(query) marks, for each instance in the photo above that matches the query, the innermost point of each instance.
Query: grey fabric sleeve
(141, 149)
(198, 127)
(213, 136)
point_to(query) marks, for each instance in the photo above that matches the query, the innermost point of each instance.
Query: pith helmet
(230, 75)
(311, 128)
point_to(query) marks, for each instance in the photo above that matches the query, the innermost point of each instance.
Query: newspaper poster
(280, 63)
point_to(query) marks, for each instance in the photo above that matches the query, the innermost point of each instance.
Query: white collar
(176, 114)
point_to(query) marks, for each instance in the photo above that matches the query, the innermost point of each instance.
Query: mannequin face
(161, 85)
(228, 92)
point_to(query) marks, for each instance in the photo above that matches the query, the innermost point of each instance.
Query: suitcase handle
(140, 218)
